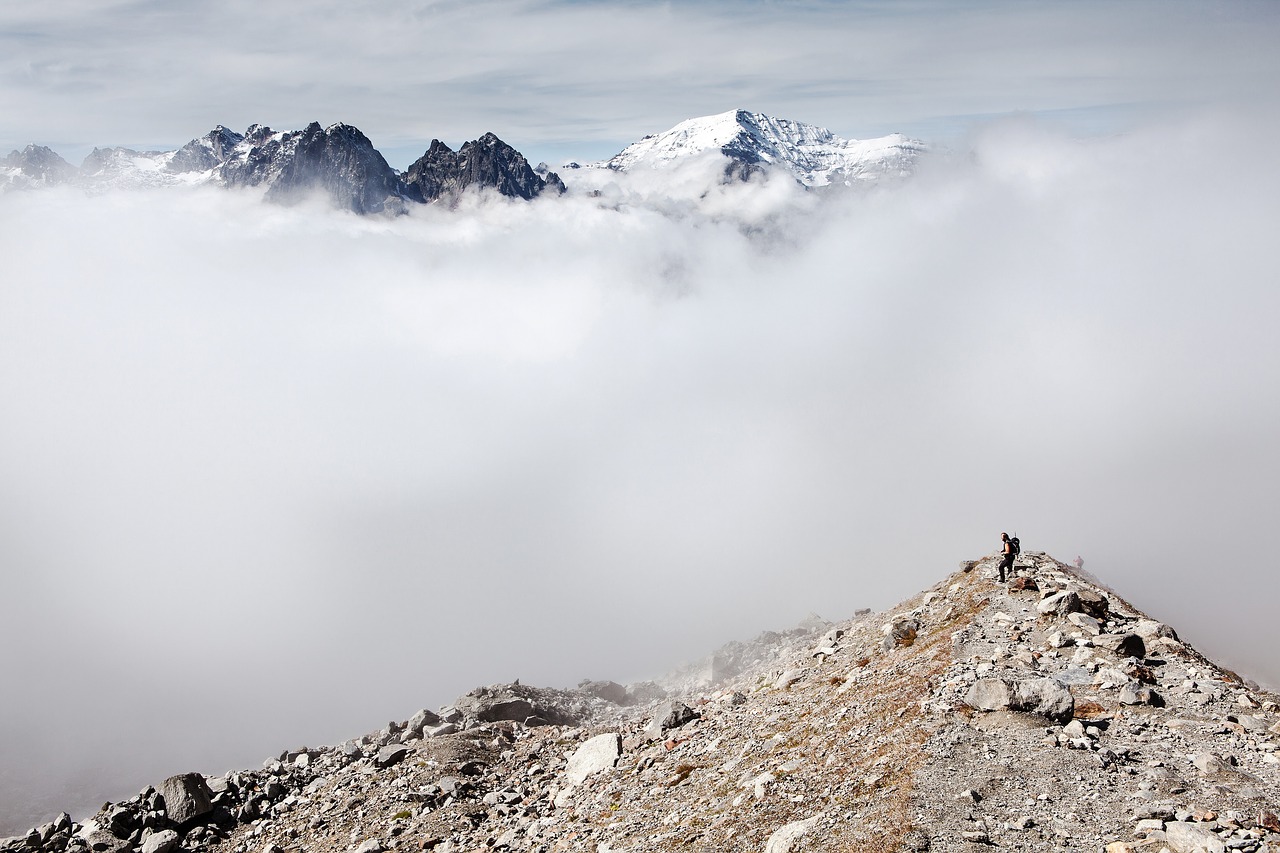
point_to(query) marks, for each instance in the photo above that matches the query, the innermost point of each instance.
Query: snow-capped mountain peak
(814, 155)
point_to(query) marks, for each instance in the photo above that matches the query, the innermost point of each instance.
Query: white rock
(599, 753)
(784, 839)
(1192, 838)
(788, 678)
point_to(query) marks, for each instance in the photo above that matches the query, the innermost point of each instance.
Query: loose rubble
(1045, 714)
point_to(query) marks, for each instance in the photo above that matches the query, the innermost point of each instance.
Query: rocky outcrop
(186, 797)
(532, 706)
(207, 152)
(338, 162)
(488, 162)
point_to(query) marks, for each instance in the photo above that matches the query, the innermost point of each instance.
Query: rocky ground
(1044, 714)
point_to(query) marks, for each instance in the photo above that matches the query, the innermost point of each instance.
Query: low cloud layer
(271, 476)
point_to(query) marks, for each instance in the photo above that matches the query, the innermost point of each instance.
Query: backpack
(1015, 545)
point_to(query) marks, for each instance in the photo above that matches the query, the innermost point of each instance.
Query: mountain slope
(752, 141)
(35, 166)
(338, 161)
(1045, 715)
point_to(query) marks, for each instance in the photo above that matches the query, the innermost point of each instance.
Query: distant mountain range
(338, 161)
(341, 163)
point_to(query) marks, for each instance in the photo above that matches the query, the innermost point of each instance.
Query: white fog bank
(273, 476)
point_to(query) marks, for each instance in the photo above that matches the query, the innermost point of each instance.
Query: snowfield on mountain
(815, 156)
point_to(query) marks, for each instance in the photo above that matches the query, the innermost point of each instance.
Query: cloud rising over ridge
(271, 475)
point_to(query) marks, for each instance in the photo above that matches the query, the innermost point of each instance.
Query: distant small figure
(1079, 561)
(1010, 551)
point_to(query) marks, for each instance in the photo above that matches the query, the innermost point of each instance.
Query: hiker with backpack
(1012, 548)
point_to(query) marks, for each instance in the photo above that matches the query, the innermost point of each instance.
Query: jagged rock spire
(442, 173)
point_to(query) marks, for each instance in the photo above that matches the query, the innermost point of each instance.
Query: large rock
(1150, 629)
(101, 841)
(186, 797)
(599, 753)
(1060, 603)
(901, 631)
(391, 754)
(1092, 602)
(1192, 838)
(785, 839)
(1125, 645)
(1047, 697)
(516, 702)
(1090, 625)
(610, 691)
(160, 842)
(669, 715)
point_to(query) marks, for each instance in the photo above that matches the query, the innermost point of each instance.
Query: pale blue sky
(580, 80)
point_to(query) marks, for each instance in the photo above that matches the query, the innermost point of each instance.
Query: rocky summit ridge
(1046, 714)
(336, 162)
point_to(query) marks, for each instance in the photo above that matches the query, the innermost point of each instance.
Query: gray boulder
(186, 797)
(1092, 602)
(669, 715)
(160, 842)
(1192, 838)
(1060, 603)
(392, 754)
(1125, 645)
(101, 841)
(1047, 697)
(419, 720)
(1086, 622)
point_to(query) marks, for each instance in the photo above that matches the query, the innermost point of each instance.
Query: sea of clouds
(272, 476)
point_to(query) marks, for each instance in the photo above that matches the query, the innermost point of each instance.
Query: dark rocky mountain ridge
(486, 162)
(1043, 714)
(338, 162)
(40, 166)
